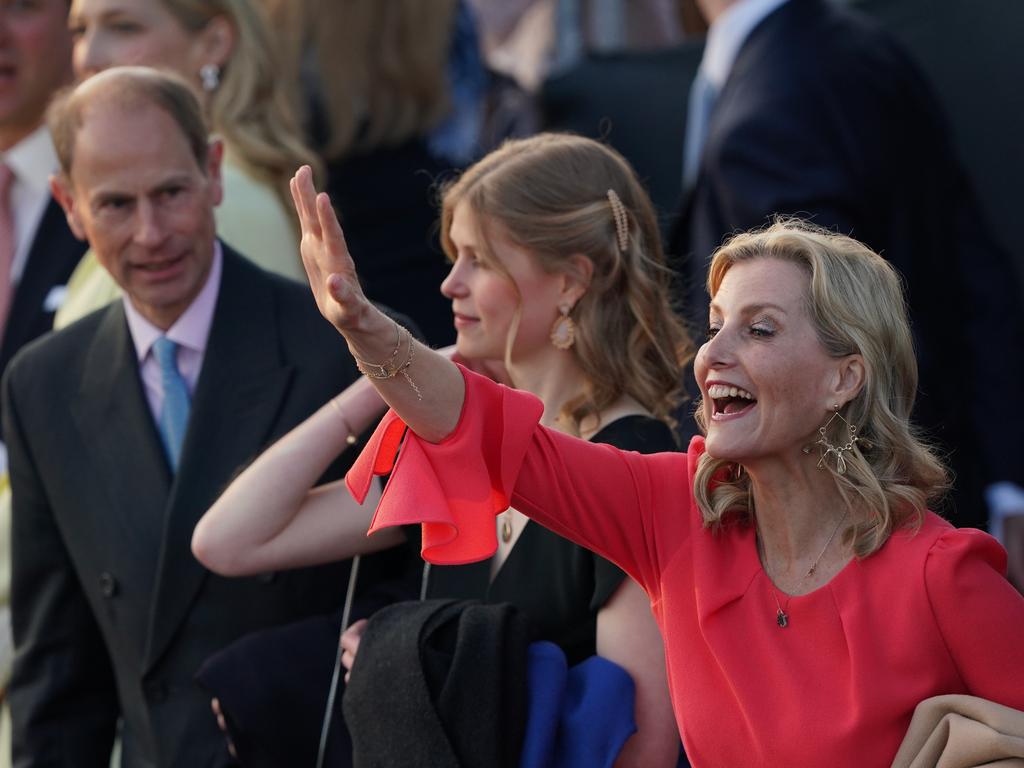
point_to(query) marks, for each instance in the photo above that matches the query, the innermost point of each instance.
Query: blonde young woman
(223, 47)
(807, 599)
(544, 278)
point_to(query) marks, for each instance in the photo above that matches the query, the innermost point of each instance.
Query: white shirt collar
(192, 329)
(727, 35)
(33, 160)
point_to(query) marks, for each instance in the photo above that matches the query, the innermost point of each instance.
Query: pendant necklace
(506, 526)
(781, 616)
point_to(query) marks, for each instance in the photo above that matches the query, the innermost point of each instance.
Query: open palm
(329, 267)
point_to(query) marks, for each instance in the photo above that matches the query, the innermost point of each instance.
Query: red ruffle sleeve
(455, 487)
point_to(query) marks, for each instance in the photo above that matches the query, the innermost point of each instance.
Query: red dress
(930, 613)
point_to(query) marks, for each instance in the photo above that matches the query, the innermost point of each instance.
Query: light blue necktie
(703, 95)
(174, 412)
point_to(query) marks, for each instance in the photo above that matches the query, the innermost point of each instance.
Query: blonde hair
(383, 65)
(550, 194)
(250, 109)
(855, 301)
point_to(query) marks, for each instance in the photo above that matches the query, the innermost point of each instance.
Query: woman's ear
(215, 43)
(851, 374)
(577, 274)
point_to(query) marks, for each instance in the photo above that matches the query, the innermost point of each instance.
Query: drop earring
(563, 332)
(837, 450)
(209, 76)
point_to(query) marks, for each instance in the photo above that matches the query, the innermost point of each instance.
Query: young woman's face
(110, 33)
(486, 297)
(764, 375)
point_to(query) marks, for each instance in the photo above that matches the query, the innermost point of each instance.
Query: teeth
(722, 390)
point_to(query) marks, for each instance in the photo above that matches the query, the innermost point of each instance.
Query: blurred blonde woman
(371, 79)
(223, 48)
(546, 277)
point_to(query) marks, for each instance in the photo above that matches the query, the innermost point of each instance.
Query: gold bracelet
(350, 439)
(404, 367)
(387, 369)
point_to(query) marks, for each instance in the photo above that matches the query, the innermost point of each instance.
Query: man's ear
(214, 163)
(60, 188)
(577, 274)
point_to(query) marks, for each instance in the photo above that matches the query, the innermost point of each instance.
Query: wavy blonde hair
(855, 300)
(550, 194)
(382, 64)
(250, 109)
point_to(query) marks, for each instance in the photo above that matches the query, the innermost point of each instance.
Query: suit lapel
(112, 410)
(241, 387)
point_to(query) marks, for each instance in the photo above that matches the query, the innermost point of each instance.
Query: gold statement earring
(563, 332)
(837, 450)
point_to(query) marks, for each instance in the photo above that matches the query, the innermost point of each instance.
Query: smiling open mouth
(728, 400)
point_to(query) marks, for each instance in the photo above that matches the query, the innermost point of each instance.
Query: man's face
(35, 60)
(138, 196)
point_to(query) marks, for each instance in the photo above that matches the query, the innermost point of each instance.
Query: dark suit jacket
(824, 115)
(111, 613)
(52, 258)
(635, 101)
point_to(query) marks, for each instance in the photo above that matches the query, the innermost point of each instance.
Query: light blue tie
(703, 95)
(174, 412)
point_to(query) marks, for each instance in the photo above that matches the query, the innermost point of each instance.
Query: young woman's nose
(454, 285)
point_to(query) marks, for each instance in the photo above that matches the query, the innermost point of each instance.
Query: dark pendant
(782, 619)
(506, 530)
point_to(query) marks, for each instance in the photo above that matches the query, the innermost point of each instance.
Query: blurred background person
(372, 81)
(223, 47)
(37, 249)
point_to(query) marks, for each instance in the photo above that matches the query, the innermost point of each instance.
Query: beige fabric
(962, 732)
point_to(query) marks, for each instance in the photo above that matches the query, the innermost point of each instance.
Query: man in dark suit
(805, 108)
(124, 427)
(35, 47)
(37, 250)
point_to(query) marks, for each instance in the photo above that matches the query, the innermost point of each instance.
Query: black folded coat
(439, 683)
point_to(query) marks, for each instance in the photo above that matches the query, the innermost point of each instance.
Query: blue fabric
(703, 96)
(457, 138)
(174, 412)
(579, 717)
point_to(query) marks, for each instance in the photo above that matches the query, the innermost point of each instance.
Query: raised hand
(329, 267)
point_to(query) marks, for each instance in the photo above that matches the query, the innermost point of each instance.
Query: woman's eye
(713, 331)
(762, 331)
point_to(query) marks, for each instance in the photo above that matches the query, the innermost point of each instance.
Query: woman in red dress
(807, 598)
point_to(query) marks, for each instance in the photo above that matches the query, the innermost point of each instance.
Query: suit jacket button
(108, 584)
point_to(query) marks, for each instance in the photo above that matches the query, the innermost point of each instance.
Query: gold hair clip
(621, 219)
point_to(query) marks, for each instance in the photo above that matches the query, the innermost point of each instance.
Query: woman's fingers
(222, 724)
(304, 195)
(333, 236)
